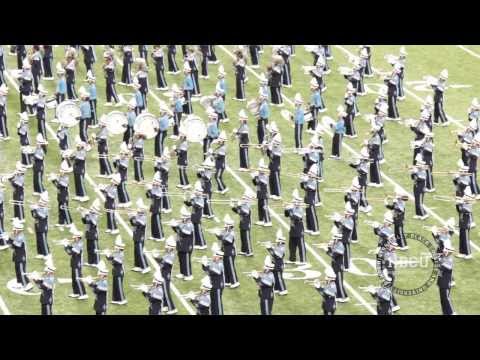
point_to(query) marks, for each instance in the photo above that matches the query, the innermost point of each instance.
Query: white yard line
(390, 180)
(119, 218)
(473, 53)
(4, 307)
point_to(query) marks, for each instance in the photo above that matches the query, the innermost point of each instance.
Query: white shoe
(4, 247)
(315, 233)
(472, 225)
(468, 257)
(267, 224)
(354, 241)
(282, 293)
(28, 287)
(108, 231)
(179, 276)
(39, 256)
(344, 300)
(461, 256)
(171, 312)
(235, 285)
(227, 284)
(115, 232)
(260, 223)
(146, 270)
(137, 269)
(83, 297)
(166, 211)
(224, 191)
(417, 217)
(73, 295)
(396, 308)
(424, 217)
(188, 278)
(108, 104)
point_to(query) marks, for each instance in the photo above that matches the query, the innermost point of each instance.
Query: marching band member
(101, 138)
(61, 88)
(18, 243)
(309, 185)
(155, 193)
(111, 197)
(439, 116)
(205, 50)
(243, 209)
(3, 112)
(401, 64)
(383, 295)
(285, 52)
(166, 265)
(339, 131)
(218, 105)
(204, 173)
(239, 64)
(350, 110)
(254, 56)
(3, 244)
(120, 163)
(384, 233)
(39, 213)
(79, 157)
(216, 274)
(21, 52)
(366, 50)
(40, 109)
(143, 52)
(227, 238)
(426, 112)
(381, 99)
(313, 154)
(373, 146)
(473, 112)
(109, 72)
(188, 87)
(90, 219)
(461, 179)
(92, 98)
(89, 57)
(18, 183)
(192, 62)
(138, 220)
(131, 117)
(22, 132)
(61, 182)
(275, 80)
(243, 140)
(419, 128)
(274, 153)
(127, 65)
(182, 161)
(221, 85)
(2, 66)
(419, 176)
(157, 56)
(139, 98)
(344, 227)
(202, 301)
(46, 284)
(197, 202)
(141, 78)
(266, 282)
(154, 294)
(70, 68)
(443, 235)
(177, 104)
(388, 267)
(296, 233)
(116, 258)
(336, 250)
(472, 155)
(162, 165)
(392, 82)
(138, 156)
(85, 114)
(219, 155)
(74, 248)
(328, 292)
(37, 66)
(427, 155)
(398, 209)
(445, 279)
(172, 63)
(277, 253)
(38, 166)
(317, 104)
(464, 209)
(263, 86)
(47, 62)
(184, 231)
(163, 124)
(260, 180)
(100, 289)
(299, 120)
(212, 57)
(262, 116)
(25, 87)
(353, 196)
(212, 132)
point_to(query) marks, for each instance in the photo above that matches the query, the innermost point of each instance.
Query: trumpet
(191, 295)
(264, 243)
(139, 286)
(104, 252)
(213, 230)
(297, 175)
(432, 229)
(88, 278)
(16, 202)
(334, 190)
(253, 145)
(32, 274)
(256, 169)
(62, 242)
(313, 282)
(371, 223)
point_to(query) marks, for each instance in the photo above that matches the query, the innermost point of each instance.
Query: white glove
(376, 224)
(268, 245)
(317, 283)
(255, 274)
(108, 253)
(253, 174)
(88, 280)
(155, 253)
(143, 288)
(204, 260)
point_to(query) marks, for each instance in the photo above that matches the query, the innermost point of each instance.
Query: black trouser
(266, 306)
(276, 95)
(138, 169)
(60, 98)
(123, 197)
(117, 287)
(230, 271)
(92, 245)
(128, 134)
(312, 220)
(167, 296)
(187, 105)
(77, 285)
(204, 66)
(166, 204)
(279, 281)
(42, 244)
(185, 261)
(341, 293)
(71, 93)
(20, 270)
(312, 124)
(298, 135)
(46, 309)
(161, 81)
(337, 144)
(207, 209)
(446, 301)
(198, 238)
(64, 216)
(111, 93)
(219, 179)
(346, 256)
(105, 166)
(172, 64)
(261, 125)
(392, 106)
(18, 210)
(419, 194)
(246, 242)
(464, 244)
(93, 109)
(80, 185)
(182, 171)
(399, 234)
(274, 182)
(47, 66)
(294, 243)
(349, 125)
(196, 85)
(126, 72)
(240, 88)
(139, 257)
(156, 226)
(375, 176)
(111, 220)
(3, 126)
(177, 118)
(439, 113)
(159, 140)
(244, 163)
(38, 181)
(263, 212)
(216, 303)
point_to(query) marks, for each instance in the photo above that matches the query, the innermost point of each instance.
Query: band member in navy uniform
(38, 166)
(197, 202)
(299, 120)
(182, 161)
(138, 155)
(74, 248)
(89, 57)
(18, 183)
(79, 170)
(154, 294)
(90, 219)
(39, 212)
(243, 140)
(344, 227)
(296, 234)
(336, 251)
(157, 56)
(192, 62)
(205, 50)
(85, 114)
(445, 278)
(2, 66)
(461, 179)
(277, 253)
(109, 71)
(155, 194)
(392, 83)
(184, 231)
(116, 258)
(274, 153)
(100, 289)
(275, 80)
(202, 301)
(40, 108)
(140, 82)
(172, 63)
(21, 51)
(254, 56)
(70, 68)
(61, 182)
(18, 243)
(23, 134)
(111, 198)
(398, 209)
(101, 138)
(131, 117)
(227, 238)
(205, 174)
(266, 283)
(309, 185)
(373, 144)
(166, 264)
(464, 209)
(3, 112)
(138, 220)
(419, 175)
(439, 116)
(25, 87)
(260, 180)
(188, 87)
(328, 290)
(383, 295)
(46, 284)
(339, 129)
(216, 273)
(127, 65)
(284, 52)
(239, 65)
(243, 209)
(350, 110)
(92, 98)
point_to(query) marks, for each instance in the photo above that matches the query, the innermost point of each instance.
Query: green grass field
(302, 298)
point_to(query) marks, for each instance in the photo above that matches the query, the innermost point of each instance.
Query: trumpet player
(138, 155)
(461, 180)
(154, 294)
(296, 233)
(285, 52)
(182, 161)
(25, 87)
(309, 185)
(157, 56)
(219, 154)
(379, 121)
(100, 289)
(388, 267)
(336, 250)
(239, 65)
(274, 153)
(40, 110)
(398, 208)
(111, 197)
(373, 145)
(166, 264)
(39, 213)
(38, 165)
(221, 85)
(473, 112)
(392, 82)
(339, 131)
(17, 180)
(116, 258)
(266, 283)
(3, 110)
(227, 238)
(313, 154)
(275, 72)
(243, 140)
(120, 164)
(70, 69)
(23, 134)
(202, 301)
(383, 295)
(445, 279)
(277, 253)
(126, 78)
(427, 154)
(197, 202)
(328, 290)
(243, 209)
(162, 166)
(171, 62)
(262, 116)
(79, 158)
(109, 73)
(260, 180)
(472, 158)
(439, 116)
(191, 60)
(156, 195)
(184, 231)
(464, 209)
(101, 138)
(344, 227)
(205, 50)
(63, 137)
(205, 175)
(90, 218)
(352, 196)
(139, 222)
(61, 182)
(75, 250)
(18, 243)
(419, 175)
(216, 275)
(46, 284)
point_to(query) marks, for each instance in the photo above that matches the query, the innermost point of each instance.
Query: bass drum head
(194, 128)
(116, 122)
(146, 123)
(67, 112)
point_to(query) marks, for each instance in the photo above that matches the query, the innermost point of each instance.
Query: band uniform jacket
(296, 221)
(244, 211)
(184, 236)
(216, 273)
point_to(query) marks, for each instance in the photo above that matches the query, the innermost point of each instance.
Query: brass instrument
(335, 190)
(62, 242)
(214, 230)
(256, 169)
(372, 223)
(297, 175)
(104, 252)
(447, 198)
(288, 204)
(432, 229)
(259, 146)
(88, 278)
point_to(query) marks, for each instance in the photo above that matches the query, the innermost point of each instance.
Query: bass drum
(147, 124)
(116, 122)
(253, 106)
(68, 113)
(194, 128)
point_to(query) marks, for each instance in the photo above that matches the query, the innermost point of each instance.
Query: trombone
(258, 146)
(335, 190)
(105, 252)
(297, 175)
(372, 223)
